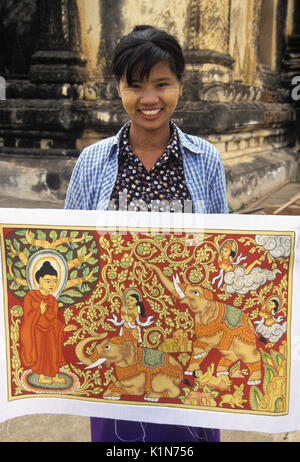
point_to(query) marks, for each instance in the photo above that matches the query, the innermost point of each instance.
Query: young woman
(155, 166)
(131, 312)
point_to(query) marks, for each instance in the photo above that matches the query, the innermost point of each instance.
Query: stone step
(28, 182)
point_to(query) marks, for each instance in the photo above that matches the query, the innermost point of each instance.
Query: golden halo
(57, 261)
(132, 291)
(233, 243)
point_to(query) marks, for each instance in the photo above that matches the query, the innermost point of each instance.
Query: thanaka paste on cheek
(171, 96)
(129, 100)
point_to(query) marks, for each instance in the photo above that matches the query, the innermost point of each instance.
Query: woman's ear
(181, 86)
(118, 88)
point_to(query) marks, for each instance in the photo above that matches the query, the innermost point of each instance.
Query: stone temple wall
(60, 96)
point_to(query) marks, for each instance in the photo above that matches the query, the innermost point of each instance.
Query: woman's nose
(149, 97)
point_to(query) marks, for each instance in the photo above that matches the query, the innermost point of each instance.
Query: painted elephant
(217, 325)
(139, 371)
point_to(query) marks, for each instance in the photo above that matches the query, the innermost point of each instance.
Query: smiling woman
(149, 83)
(150, 103)
(157, 167)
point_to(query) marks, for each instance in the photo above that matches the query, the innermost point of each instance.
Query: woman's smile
(150, 114)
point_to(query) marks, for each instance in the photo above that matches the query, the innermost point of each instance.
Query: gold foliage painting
(188, 320)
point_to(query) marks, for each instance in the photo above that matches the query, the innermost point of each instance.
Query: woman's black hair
(142, 310)
(144, 47)
(275, 301)
(47, 268)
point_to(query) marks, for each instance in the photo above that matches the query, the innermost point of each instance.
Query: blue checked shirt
(96, 170)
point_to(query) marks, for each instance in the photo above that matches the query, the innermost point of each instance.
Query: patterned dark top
(162, 189)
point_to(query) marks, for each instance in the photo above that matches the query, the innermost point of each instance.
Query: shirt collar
(172, 151)
(184, 141)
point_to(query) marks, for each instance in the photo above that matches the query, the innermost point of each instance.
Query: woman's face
(225, 252)
(130, 302)
(48, 283)
(150, 103)
(270, 305)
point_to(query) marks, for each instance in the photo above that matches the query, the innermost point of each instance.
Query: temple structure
(241, 87)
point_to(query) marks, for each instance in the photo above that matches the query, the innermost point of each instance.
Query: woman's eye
(197, 293)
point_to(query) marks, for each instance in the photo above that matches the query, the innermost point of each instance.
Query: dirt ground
(67, 428)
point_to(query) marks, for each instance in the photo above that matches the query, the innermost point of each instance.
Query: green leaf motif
(92, 261)
(17, 310)
(82, 251)
(53, 234)
(72, 293)
(70, 255)
(255, 397)
(62, 248)
(66, 299)
(16, 244)
(41, 235)
(270, 372)
(20, 293)
(74, 274)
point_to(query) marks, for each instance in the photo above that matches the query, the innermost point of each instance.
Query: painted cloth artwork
(194, 322)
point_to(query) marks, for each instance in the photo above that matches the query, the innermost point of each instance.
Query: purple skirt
(111, 431)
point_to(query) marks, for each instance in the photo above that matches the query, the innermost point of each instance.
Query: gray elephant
(216, 325)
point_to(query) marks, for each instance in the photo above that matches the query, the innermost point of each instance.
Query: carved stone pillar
(224, 99)
(59, 58)
(206, 48)
(44, 115)
(210, 88)
(213, 67)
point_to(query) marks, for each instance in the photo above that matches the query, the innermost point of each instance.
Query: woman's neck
(148, 146)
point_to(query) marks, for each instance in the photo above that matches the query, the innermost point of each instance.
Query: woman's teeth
(151, 112)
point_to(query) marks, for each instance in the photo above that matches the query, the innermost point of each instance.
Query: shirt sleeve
(75, 195)
(217, 192)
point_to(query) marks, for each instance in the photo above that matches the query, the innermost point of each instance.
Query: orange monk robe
(42, 335)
